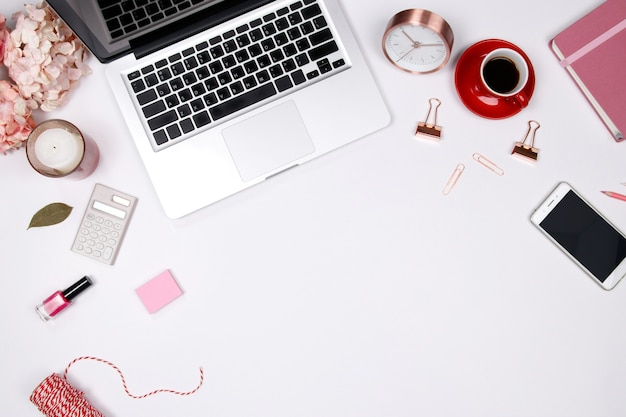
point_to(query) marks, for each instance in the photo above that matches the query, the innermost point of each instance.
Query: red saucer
(467, 75)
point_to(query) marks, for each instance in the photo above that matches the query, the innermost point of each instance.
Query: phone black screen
(586, 235)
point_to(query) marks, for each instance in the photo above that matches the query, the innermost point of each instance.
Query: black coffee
(501, 75)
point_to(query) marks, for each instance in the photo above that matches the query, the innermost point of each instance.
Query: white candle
(59, 150)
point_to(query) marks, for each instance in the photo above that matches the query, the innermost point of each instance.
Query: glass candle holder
(56, 148)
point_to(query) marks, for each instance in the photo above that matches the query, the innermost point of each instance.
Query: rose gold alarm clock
(418, 41)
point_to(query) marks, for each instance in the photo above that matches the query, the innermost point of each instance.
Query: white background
(349, 286)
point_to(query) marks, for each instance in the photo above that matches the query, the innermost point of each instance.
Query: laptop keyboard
(263, 59)
(125, 17)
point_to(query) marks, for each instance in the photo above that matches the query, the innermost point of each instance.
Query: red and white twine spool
(56, 397)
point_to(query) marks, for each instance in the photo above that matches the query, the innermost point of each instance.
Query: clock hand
(430, 44)
(415, 44)
(402, 57)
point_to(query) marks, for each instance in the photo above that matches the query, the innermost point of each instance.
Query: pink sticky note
(159, 291)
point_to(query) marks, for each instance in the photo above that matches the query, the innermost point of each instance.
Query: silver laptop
(220, 95)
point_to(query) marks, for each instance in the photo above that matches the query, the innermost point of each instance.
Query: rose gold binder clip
(524, 151)
(430, 130)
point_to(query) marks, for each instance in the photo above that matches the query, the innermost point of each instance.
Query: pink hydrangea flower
(4, 34)
(16, 122)
(44, 57)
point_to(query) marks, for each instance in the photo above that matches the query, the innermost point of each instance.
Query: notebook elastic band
(594, 44)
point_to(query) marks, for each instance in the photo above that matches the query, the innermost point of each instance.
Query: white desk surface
(349, 286)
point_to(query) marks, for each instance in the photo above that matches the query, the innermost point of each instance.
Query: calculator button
(108, 251)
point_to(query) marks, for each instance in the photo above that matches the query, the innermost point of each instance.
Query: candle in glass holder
(57, 148)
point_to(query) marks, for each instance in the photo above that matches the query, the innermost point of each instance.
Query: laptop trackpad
(267, 141)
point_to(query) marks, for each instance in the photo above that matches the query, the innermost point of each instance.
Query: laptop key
(134, 75)
(151, 80)
(210, 99)
(146, 97)
(197, 105)
(160, 137)
(320, 22)
(323, 50)
(321, 36)
(298, 77)
(153, 109)
(178, 68)
(236, 88)
(164, 74)
(184, 110)
(163, 120)
(171, 101)
(284, 83)
(147, 69)
(229, 46)
(176, 84)
(249, 82)
(295, 18)
(186, 125)
(241, 102)
(138, 85)
(302, 59)
(203, 57)
(173, 131)
(163, 90)
(311, 11)
(202, 119)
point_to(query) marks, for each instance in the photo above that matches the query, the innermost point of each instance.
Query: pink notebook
(593, 51)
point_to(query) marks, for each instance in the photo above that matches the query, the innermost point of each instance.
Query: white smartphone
(584, 234)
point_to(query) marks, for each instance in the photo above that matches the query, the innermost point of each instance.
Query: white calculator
(103, 226)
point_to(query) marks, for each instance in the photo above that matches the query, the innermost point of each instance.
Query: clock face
(416, 48)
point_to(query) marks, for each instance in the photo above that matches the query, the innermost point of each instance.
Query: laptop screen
(112, 28)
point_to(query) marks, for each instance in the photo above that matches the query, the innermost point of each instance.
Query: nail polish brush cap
(79, 286)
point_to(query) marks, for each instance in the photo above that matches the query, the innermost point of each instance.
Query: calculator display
(98, 205)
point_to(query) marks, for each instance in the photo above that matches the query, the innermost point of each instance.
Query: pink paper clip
(456, 174)
(487, 164)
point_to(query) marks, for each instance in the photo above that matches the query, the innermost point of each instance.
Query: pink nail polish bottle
(58, 301)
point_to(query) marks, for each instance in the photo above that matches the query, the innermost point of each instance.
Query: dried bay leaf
(51, 214)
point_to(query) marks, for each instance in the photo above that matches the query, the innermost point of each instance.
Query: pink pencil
(615, 195)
